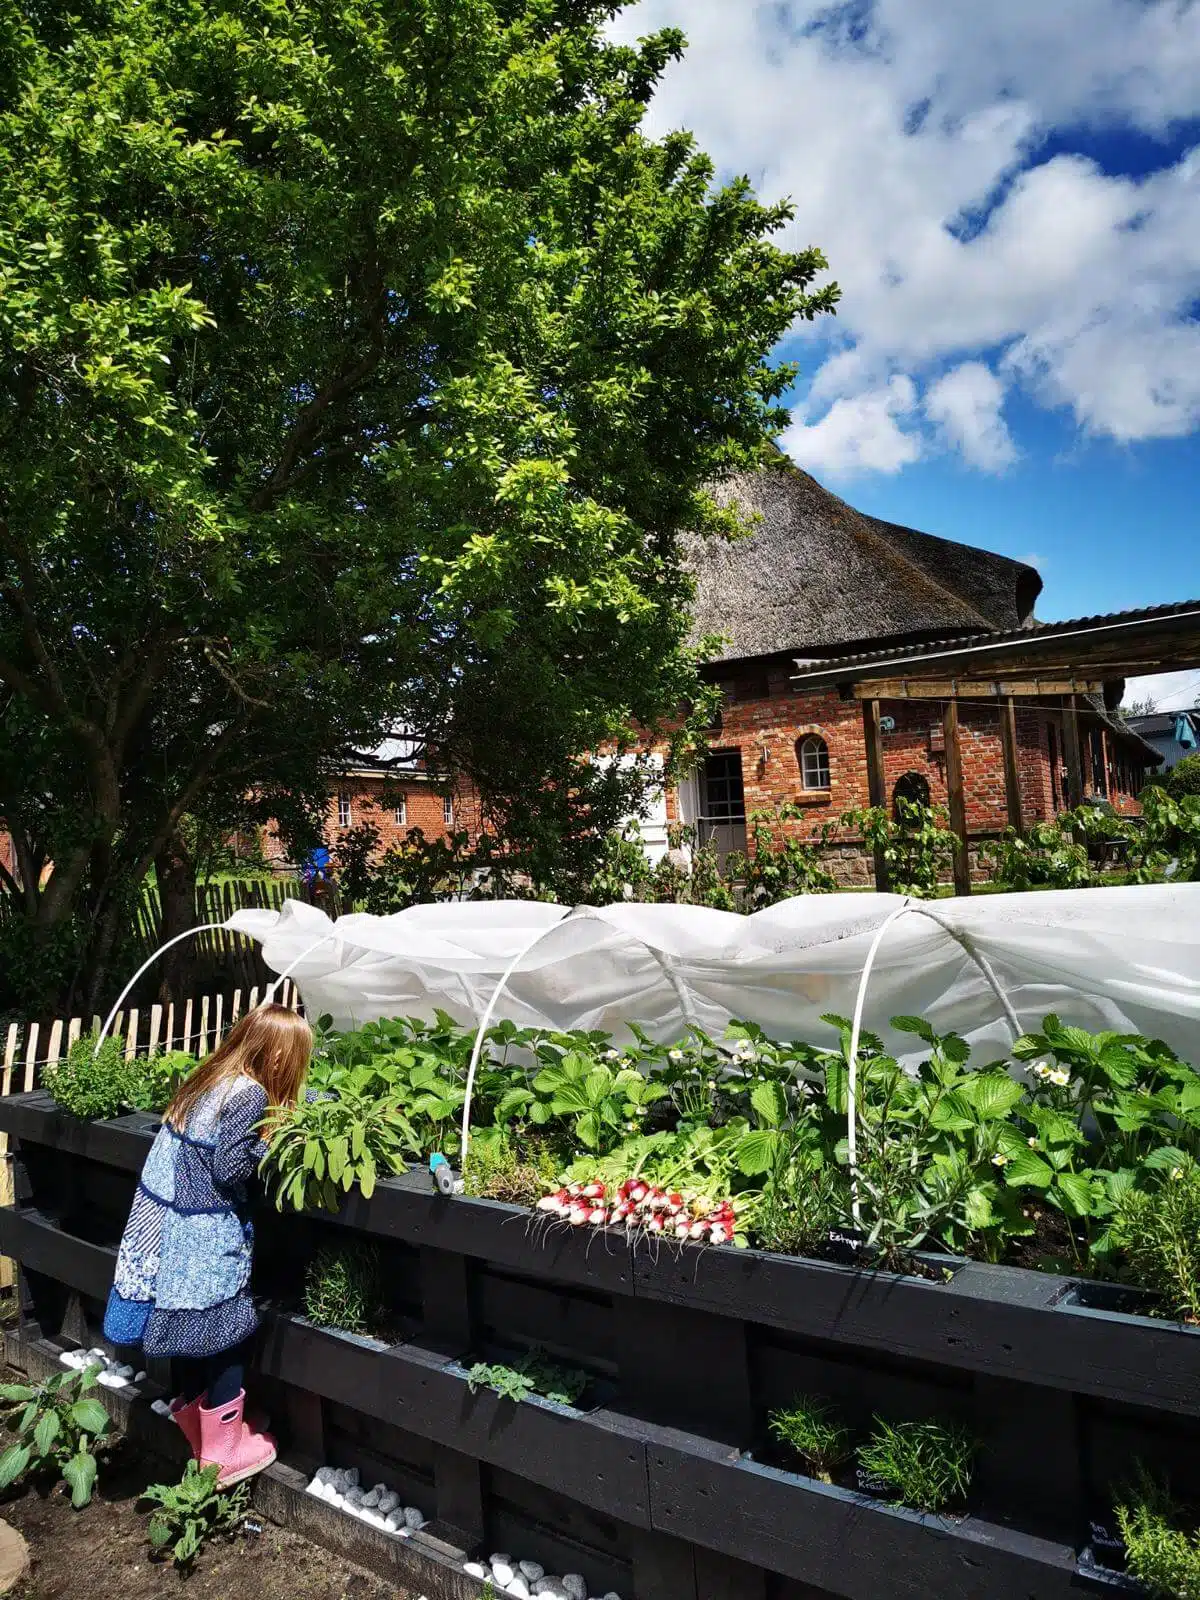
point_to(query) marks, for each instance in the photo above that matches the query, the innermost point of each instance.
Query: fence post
(131, 1033)
(74, 1029)
(31, 1056)
(187, 1025)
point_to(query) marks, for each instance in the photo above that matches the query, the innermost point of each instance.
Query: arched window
(812, 753)
(913, 787)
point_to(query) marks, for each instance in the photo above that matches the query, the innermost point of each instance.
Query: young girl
(183, 1269)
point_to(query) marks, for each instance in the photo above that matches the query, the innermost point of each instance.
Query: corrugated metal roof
(847, 666)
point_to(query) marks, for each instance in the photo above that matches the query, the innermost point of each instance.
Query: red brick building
(819, 585)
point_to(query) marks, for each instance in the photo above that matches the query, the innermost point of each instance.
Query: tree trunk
(176, 873)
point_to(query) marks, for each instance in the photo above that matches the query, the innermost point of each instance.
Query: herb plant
(193, 1511)
(56, 1423)
(810, 1427)
(1158, 1232)
(497, 1167)
(926, 1465)
(532, 1373)
(321, 1149)
(343, 1288)
(1160, 1551)
(90, 1085)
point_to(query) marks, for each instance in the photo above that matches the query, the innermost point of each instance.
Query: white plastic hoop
(205, 927)
(990, 978)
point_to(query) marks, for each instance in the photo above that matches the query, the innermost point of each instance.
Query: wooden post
(876, 789)
(958, 799)
(1072, 751)
(1012, 771)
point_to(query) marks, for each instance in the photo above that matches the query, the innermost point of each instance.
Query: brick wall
(375, 800)
(763, 719)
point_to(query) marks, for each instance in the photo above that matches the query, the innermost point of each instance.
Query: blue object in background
(1185, 733)
(316, 868)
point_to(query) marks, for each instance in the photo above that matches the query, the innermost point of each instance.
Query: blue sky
(1011, 204)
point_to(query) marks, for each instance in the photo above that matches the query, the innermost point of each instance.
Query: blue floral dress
(183, 1269)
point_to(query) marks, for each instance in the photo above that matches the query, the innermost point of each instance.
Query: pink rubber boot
(227, 1442)
(186, 1417)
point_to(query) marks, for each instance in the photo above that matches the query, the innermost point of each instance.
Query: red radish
(676, 1199)
(696, 1231)
(594, 1191)
(579, 1214)
(548, 1204)
(598, 1216)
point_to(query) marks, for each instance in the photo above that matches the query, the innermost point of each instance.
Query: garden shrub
(1161, 1553)
(1159, 1234)
(1184, 778)
(343, 1288)
(91, 1085)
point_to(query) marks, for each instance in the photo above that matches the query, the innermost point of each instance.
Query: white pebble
(139, 1377)
(336, 1498)
(376, 1521)
(413, 1518)
(575, 1586)
(500, 1559)
(474, 1570)
(531, 1571)
(518, 1588)
(161, 1407)
(316, 1489)
(503, 1571)
(124, 1372)
(110, 1380)
(394, 1521)
(97, 1354)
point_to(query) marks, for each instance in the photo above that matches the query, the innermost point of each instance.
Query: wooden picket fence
(197, 1024)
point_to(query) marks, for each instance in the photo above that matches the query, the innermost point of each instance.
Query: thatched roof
(816, 575)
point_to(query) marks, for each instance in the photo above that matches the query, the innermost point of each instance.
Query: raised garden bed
(654, 1488)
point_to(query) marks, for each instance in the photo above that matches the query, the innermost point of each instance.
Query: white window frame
(814, 764)
(448, 810)
(345, 813)
(400, 812)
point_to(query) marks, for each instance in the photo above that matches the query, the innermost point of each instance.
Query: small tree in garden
(359, 363)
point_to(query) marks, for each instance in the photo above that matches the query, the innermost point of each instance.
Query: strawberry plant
(532, 1373)
(57, 1424)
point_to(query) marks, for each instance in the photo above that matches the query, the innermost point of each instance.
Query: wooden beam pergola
(1063, 663)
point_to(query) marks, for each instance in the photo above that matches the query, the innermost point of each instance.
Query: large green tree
(360, 361)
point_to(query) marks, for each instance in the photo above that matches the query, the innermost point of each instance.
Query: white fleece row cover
(1125, 958)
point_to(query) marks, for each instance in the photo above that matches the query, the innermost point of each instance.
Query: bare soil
(101, 1552)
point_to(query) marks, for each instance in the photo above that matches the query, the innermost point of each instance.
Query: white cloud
(1170, 691)
(860, 434)
(909, 138)
(965, 404)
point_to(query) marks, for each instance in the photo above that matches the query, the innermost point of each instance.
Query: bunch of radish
(639, 1206)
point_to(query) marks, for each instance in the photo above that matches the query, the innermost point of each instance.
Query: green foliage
(1046, 856)
(532, 1373)
(88, 1085)
(916, 846)
(499, 1168)
(401, 302)
(810, 1427)
(95, 1086)
(321, 1149)
(777, 865)
(57, 1423)
(343, 1288)
(1159, 1235)
(193, 1511)
(926, 1465)
(1162, 1547)
(1184, 778)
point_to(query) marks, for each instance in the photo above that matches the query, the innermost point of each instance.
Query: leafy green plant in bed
(57, 1424)
(343, 1288)
(1158, 1233)
(154, 1079)
(1162, 1546)
(926, 1465)
(929, 1144)
(501, 1166)
(91, 1085)
(321, 1149)
(532, 1373)
(192, 1511)
(810, 1427)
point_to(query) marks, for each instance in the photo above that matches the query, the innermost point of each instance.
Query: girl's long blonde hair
(271, 1044)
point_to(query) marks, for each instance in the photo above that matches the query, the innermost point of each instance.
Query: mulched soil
(101, 1553)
